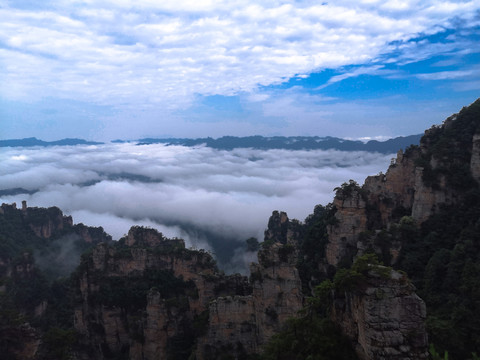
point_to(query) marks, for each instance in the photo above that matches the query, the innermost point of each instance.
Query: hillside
(388, 270)
(256, 142)
(36, 142)
(292, 143)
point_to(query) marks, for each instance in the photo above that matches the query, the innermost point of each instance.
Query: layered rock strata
(211, 315)
(384, 318)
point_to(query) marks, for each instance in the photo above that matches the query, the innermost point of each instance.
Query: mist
(214, 199)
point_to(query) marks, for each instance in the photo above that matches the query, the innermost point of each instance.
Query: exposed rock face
(277, 227)
(417, 185)
(232, 328)
(283, 230)
(384, 318)
(251, 320)
(428, 200)
(28, 261)
(241, 316)
(351, 219)
(392, 194)
(50, 222)
(44, 225)
(276, 288)
(402, 191)
(475, 160)
(29, 337)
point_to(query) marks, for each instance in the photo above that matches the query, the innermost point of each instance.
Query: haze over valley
(214, 199)
(241, 193)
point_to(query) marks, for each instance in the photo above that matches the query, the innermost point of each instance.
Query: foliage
(355, 276)
(131, 292)
(255, 276)
(314, 336)
(10, 319)
(435, 355)
(28, 290)
(346, 190)
(447, 145)
(311, 337)
(200, 323)
(442, 256)
(321, 302)
(312, 246)
(180, 346)
(285, 251)
(252, 244)
(57, 343)
(347, 280)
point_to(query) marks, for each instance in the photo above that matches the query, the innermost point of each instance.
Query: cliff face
(418, 184)
(148, 297)
(143, 268)
(475, 160)
(383, 318)
(213, 316)
(351, 219)
(205, 313)
(252, 320)
(49, 223)
(31, 239)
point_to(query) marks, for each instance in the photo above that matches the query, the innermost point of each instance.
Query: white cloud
(442, 75)
(363, 70)
(184, 192)
(164, 52)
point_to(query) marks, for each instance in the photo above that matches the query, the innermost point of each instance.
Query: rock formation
(351, 219)
(252, 320)
(384, 318)
(475, 160)
(231, 314)
(29, 238)
(148, 297)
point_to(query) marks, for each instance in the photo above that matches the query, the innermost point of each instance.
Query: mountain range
(256, 142)
(387, 270)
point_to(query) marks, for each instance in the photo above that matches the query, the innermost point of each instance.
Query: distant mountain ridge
(292, 143)
(36, 142)
(256, 142)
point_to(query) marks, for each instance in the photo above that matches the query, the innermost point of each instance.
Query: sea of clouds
(214, 199)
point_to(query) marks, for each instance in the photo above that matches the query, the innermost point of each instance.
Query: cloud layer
(214, 199)
(165, 52)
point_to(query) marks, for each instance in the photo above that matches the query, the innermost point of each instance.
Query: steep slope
(39, 248)
(422, 216)
(146, 296)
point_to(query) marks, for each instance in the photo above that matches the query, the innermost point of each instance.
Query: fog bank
(214, 199)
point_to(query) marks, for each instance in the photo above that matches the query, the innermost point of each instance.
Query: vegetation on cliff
(39, 248)
(441, 255)
(145, 273)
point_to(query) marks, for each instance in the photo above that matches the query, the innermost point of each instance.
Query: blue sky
(108, 69)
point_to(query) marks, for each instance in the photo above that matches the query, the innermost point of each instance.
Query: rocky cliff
(180, 304)
(149, 297)
(398, 216)
(243, 324)
(37, 247)
(418, 183)
(383, 317)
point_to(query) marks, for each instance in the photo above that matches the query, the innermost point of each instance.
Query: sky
(118, 69)
(214, 199)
